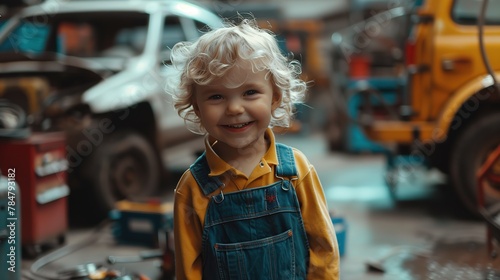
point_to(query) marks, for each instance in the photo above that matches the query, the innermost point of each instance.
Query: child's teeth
(238, 125)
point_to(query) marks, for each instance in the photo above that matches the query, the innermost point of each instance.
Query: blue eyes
(246, 93)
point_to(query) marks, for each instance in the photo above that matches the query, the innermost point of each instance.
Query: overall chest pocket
(269, 258)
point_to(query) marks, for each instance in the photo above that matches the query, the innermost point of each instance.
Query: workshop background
(402, 123)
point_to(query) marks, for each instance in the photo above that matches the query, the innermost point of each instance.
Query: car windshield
(467, 12)
(104, 34)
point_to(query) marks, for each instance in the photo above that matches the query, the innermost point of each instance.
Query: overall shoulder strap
(286, 161)
(200, 171)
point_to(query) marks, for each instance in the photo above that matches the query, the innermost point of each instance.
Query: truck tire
(124, 166)
(470, 151)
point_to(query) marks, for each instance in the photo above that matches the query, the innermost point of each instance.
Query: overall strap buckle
(286, 165)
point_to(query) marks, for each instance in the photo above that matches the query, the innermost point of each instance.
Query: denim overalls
(256, 233)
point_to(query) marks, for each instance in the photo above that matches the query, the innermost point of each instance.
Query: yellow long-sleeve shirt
(191, 204)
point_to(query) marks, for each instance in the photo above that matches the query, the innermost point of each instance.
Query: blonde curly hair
(217, 52)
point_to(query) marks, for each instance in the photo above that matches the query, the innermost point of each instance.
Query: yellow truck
(449, 108)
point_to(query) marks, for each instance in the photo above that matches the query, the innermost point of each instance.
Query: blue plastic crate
(141, 223)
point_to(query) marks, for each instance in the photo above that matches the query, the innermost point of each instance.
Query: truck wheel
(470, 151)
(124, 166)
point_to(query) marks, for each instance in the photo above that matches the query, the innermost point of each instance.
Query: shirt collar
(218, 166)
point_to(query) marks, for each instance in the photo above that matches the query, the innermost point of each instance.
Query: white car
(100, 67)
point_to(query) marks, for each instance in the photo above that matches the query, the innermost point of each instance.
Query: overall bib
(256, 233)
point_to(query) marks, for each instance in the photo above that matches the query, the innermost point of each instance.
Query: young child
(248, 208)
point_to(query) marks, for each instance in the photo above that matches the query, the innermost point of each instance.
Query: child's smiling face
(237, 108)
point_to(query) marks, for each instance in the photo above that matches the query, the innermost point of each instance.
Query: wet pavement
(418, 232)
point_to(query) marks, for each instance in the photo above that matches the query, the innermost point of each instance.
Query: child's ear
(195, 105)
(196, 108)
(276, 99)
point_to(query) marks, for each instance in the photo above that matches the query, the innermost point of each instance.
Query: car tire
(124, 166)
(469, 153)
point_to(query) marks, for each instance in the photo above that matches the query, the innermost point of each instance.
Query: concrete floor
(422, 234)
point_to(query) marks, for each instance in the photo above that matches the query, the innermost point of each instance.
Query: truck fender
(463, 103)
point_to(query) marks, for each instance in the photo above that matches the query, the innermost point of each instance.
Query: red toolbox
(39, 164)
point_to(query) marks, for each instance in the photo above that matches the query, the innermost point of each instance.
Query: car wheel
(124, 166)
(469, 153)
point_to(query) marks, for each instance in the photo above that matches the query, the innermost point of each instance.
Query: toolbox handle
(51, 168)
(52, 194)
